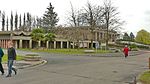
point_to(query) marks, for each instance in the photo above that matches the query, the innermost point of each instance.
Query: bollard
(135, 81)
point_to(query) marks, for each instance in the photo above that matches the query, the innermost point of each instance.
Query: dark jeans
(10, 66)
(1, 67)
(126, 54)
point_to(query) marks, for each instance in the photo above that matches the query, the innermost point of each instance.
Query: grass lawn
(66, 51)
(5, 58)
(145, 77)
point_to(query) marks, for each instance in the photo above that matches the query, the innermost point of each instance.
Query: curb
(138, 77)
(40, 63)
(33, 65)
(110, 54)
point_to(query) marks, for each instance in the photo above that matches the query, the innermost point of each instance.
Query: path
(65, 69)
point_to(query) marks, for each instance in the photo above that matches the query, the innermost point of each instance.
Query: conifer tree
(3, 21)
(16, 21)
(50, 18)
(20, 21)
(11, 21)
(7, 24)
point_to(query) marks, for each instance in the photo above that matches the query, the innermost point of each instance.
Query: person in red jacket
(126, 50)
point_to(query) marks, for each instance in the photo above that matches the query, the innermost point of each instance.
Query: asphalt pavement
(68, 69)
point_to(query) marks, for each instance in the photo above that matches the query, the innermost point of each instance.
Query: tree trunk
(92, 31)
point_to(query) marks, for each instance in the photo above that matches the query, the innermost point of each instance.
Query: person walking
(11, 57)
(126, 50)
(1, 56)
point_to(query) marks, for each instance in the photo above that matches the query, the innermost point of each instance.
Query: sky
(135, 13)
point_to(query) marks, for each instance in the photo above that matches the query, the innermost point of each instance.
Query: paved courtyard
(66, 69)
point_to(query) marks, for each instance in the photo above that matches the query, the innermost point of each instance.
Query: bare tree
(93, 17)
(73, 17)
(38, 22)
(34, 23)
(111, 18)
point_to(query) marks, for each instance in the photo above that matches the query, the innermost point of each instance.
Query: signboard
(103, 44)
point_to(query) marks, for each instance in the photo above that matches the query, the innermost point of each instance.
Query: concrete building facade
(23, 39)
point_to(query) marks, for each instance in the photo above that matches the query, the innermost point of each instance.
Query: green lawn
(145, 77)
(66, 51)
(5, 58)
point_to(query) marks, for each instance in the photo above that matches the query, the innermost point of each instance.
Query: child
(126, 50)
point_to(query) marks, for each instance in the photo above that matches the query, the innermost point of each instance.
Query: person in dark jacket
(1, 66)
(11, 58)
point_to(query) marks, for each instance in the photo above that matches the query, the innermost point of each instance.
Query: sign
(103, 44)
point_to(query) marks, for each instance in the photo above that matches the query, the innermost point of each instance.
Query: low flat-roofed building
(65, 38)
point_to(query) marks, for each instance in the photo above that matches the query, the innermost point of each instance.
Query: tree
(49, 37)
(132, 37)
(7, 24)
(50, 18)
(143, 37)
(126, 37)
(24, 21)
(96, 16)
(92, 15)
(37, 34)
(20, 21)
(3, 21)
(38, 22)
(34, 22)
(73, 17)
(111, 19)
(11, 21)
(16, 21)
(29, 21)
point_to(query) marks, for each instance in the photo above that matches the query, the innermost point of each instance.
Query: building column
(95, 36)
(20, 44)
(39, 43)
(47, 44)
(54, 44)
(30, 44)
(67, 44)
(103, 35)
(73, 45)
(61, 44)
(16, 46)
(88, 46)
(0, 43)
(4, 44)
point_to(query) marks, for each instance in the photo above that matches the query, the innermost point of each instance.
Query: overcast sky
(136, 13)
